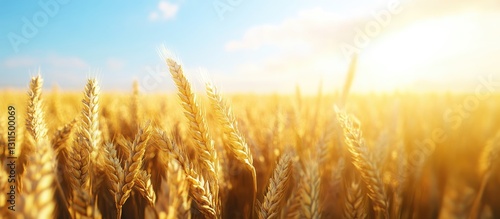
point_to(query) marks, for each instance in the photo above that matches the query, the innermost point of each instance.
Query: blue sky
(255, 46)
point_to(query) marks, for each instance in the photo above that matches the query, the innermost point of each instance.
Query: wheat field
(204, 154)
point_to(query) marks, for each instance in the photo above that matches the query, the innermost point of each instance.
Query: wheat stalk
(84, 164)
(349, 79)
(86, 154)
(364, 163)
(38, 185)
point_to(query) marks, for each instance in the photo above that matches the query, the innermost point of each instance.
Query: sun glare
(408, 54)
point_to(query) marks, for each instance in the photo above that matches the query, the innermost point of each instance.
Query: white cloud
(55, 61)
(20, 61)
(165, 11)
(306, 47)
(310, 26)
(153, 16)
(69, 62)
(305, 51)
(324, 30)
(115, 64)
(67, 71)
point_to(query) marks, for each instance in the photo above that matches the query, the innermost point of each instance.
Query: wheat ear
(197, 124)
(61, 136)
(354, 200)
(82, 205)
(114, 173)
(198, 186)
(209, 163)
(39, 178)
(179, 192)
(133, 164)
(364, 163)
(145, 187)
(37, 199)
(62, 153)
(134, 105)
(173, 196)
(292, 208)
(274, 198)
(236, 142)
(86, 141)
(489, 155)
(123, 179)
(36, 129)
(86, 144)
(488, 160)
(309, 191)
(4, 151)
(35, 126)
(79, 164)
(89, 126)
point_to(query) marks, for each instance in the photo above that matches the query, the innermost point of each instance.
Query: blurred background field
(397, 128)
